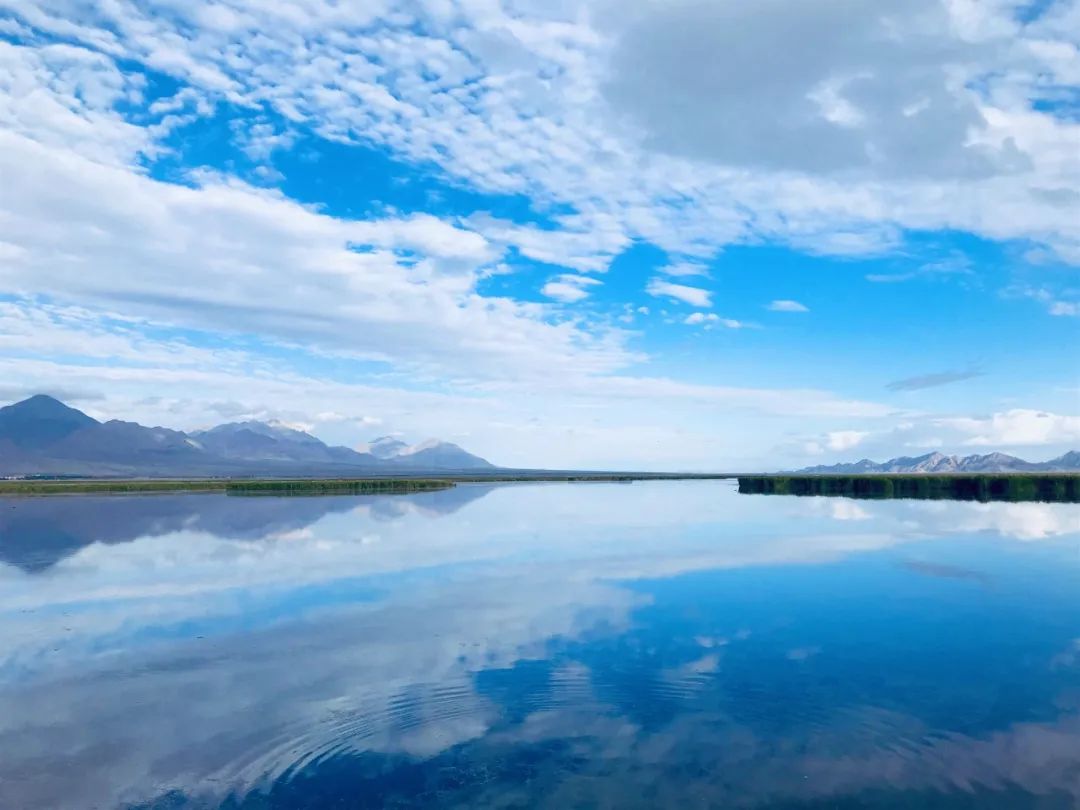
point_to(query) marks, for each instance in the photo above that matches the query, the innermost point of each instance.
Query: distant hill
(39, 422)
(431, 453)
(260, 441)
(940, 463)
(43, 436)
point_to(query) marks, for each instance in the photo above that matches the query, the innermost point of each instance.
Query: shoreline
(1020, 486)
(1050, 487)
(319, 486)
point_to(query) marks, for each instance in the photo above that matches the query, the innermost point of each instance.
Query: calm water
(599, 645)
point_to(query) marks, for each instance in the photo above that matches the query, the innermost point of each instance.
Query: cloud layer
(925, 117)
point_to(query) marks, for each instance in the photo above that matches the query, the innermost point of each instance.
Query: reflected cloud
(213, 561)
(1068, 657)
(1022, 521)
(844, 509)
(725, 762)
(1019, 521)
(206, 715)
(943, 571)
(220, 644)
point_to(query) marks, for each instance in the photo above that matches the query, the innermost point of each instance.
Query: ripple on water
(419, 719)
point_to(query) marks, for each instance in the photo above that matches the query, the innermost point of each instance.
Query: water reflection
(595, 645)
(37, 532)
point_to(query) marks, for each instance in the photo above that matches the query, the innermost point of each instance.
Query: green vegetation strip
(312, 486)
(337, 487)
(56, 487)
(1063, 487)
(238, 487)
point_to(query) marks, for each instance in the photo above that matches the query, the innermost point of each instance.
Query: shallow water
(662, 644)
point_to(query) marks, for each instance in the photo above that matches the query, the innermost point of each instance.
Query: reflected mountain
(38, 532)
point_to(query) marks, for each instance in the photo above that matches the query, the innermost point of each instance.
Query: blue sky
(668, 234)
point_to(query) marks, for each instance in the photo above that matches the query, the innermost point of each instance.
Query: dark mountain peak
(1067, 461)
(269, 430)
(44, 406)
(254, 441)
(40, 421)
(38, 400)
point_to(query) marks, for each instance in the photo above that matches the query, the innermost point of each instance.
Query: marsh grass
(1053, 487)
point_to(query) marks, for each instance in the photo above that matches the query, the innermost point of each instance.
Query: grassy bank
(363, 486)
(1060, 487)
(315, 486)
(90, 487)
(238, 487)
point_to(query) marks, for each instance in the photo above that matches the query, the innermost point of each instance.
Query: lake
(659, 644)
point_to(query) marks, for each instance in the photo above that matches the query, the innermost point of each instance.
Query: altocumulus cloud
(569, 288)
(694, 296)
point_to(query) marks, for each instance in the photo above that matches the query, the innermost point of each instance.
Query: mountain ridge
(43, 436)
(430, 452)
(940, 463)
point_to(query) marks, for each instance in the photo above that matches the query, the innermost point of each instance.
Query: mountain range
(941, 463)
(43, 436)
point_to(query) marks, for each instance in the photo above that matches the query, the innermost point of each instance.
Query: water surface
(668, 644)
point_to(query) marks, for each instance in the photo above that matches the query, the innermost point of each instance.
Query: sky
(659, 234)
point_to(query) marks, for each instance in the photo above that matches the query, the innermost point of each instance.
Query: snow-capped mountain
(430, 454)
(941, 463)
(263, 441)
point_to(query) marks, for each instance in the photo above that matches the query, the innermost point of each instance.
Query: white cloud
(907, 104)
(64, 96)
(1058, 303)
(697, 318)
(684, 269)
(230, 257)
(119, 367)
(1032, 435)
(569, 288)
(841, 440)
(1017, 427)
(694, 296)
(952, 267)
(784, 305)
(584, 245)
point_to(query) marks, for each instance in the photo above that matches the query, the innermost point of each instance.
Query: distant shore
(322, 486)
(1048, 487)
